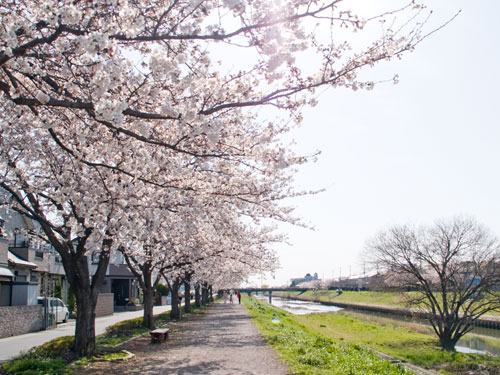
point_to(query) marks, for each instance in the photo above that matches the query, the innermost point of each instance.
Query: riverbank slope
(406, 341)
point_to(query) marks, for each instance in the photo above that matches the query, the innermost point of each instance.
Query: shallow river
(480, 340)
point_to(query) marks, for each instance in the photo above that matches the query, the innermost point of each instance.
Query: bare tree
(452, 266)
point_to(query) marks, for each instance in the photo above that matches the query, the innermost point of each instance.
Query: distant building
(354, 282)
(307, 278)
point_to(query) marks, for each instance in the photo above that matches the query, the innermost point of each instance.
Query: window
(39, 255)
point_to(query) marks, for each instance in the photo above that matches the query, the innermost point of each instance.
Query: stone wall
(17, 320)
(105, 304)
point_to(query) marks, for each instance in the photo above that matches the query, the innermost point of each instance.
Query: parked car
(56, 307)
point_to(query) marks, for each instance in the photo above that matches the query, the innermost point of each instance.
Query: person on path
(231, 297)
(239, 297)
(225, 296)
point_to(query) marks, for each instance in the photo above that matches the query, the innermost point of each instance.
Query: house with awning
(17, 285)
(25, 283)
(19, 310)
(32, 261)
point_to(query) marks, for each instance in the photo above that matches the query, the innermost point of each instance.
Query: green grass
(120, 332)
(308, 353)
(32, 365)
(49, 358)
(101, 357)
(393, 339)
(407, 341)
(371, 298)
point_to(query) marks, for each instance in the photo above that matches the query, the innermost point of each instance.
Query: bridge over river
(271, 290)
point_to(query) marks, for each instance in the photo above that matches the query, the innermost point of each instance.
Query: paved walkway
(223, 341)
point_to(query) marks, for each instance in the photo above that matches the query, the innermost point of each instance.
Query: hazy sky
(424, 149)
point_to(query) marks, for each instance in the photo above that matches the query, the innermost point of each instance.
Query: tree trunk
(197, 296)
(86, 293)
(187, 294)
(146, 283)
(175, 312)
(447, 343)
(145, 279)
(204, 294)
(85, 322)
(448, 340)
(148, 320)
(210, 294)
(76, 267)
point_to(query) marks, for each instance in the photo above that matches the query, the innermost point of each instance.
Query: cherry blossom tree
(153, 254)
(72, 221)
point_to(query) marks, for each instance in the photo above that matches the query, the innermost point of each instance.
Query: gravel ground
(223, 341)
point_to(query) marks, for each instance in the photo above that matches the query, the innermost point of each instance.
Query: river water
(480, 340)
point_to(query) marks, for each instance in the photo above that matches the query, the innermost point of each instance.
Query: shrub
(71, 300)
(162, 289)
(58, 289)
(59, 347)
(33, 365)
(123, 327)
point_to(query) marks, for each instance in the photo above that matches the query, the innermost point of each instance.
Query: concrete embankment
(487, 321)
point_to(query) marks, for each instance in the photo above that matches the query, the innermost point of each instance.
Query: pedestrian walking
(225, 296)
(239, 297)
(231, 297)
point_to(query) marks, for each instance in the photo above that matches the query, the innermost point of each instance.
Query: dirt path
(223, 341)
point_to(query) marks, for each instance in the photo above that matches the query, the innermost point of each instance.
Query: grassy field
(406, 341)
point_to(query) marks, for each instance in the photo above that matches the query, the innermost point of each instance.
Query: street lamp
(16, 232)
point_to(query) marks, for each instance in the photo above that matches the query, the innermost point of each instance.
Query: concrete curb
(418, 370)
